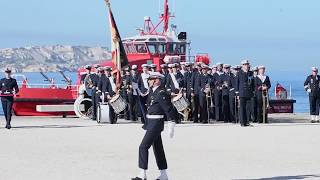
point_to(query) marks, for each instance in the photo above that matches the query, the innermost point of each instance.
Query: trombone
(209, 96)
(265, 103)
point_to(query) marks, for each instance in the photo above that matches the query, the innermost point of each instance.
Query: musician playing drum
(158, 106)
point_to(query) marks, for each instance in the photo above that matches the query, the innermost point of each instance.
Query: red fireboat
(151, 46)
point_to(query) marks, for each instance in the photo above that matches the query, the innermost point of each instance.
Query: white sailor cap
(255, 68)
(187, 64)
(176, 65)
(213, 66)
(314, 69)
(153, 65)
(108, 68)
(246, 61)
(163, 66)
(182, 63)
(101, 69)
(96, 66)
(261, 67)
(134, 67)
(127, 68)
(236, 67)
(219, 64)
(145, 65)
(88, 67)
(226, 66)
(155, 75)
(204, 66)
(171, 65)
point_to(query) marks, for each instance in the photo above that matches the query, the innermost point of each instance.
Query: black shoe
(8, 126)
(137, 178)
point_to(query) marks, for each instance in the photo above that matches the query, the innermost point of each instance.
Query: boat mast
(166, 17)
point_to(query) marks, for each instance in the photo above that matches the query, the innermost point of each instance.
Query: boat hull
(26, 101)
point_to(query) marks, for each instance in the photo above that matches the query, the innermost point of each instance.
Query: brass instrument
(209, 95)
(237, 108)
(265, 103)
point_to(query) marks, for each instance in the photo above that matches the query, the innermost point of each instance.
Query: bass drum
(82, 107)
(103, 113)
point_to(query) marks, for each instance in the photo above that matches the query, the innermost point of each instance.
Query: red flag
(119, 56)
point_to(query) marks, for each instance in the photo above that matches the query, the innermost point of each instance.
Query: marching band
(198, 92)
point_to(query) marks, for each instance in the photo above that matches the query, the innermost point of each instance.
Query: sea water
(287, 80)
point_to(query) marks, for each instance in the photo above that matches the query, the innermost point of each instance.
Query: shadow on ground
(287, 177)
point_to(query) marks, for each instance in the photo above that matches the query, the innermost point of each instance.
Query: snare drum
(118, 104)
(180, 102)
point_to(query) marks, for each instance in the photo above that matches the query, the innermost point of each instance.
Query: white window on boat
(141, 48)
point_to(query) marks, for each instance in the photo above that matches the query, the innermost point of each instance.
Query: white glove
(309, 90)
(171, 126)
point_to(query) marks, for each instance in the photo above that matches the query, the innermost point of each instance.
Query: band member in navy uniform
(126, 93)
(226, 83)
(144, 88)
(112, 91)
(245, 88)
(263, 84)
(175, 80)
(312, 86)
(104, 87)
(187, 88)
(134, 101)
(234, 116)
(254, 105)
(91, 83)
(195, 83)
(205, 85)
(8, 88)
(159, 106)
(165, 72)
(175, 84)
(218, 82)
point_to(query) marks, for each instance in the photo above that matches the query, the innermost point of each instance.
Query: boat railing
(52, 86)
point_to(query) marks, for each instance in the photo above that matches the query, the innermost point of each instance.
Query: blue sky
(282, 34)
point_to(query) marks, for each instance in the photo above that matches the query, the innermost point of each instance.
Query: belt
(155, 116)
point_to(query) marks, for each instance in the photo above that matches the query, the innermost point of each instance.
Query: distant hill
(51, 58)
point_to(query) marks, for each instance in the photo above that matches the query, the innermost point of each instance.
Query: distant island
(51, 58)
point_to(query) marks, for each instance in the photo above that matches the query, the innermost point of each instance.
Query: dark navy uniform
(126, 93)
(104, 86)
(144, 89)
(232, 101)
(8, 87)
(245, 89)
(159, 105)
(134, 102)
(261, 81)
(205, 81)
(187, 88)
(195, 83)
(226, 83)
(170, 84)
(91, 83)
(218, 82)
(312, 85)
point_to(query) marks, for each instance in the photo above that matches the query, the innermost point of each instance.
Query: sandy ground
(74, 149)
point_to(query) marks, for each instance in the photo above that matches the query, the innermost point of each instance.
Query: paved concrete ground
(74, 149)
